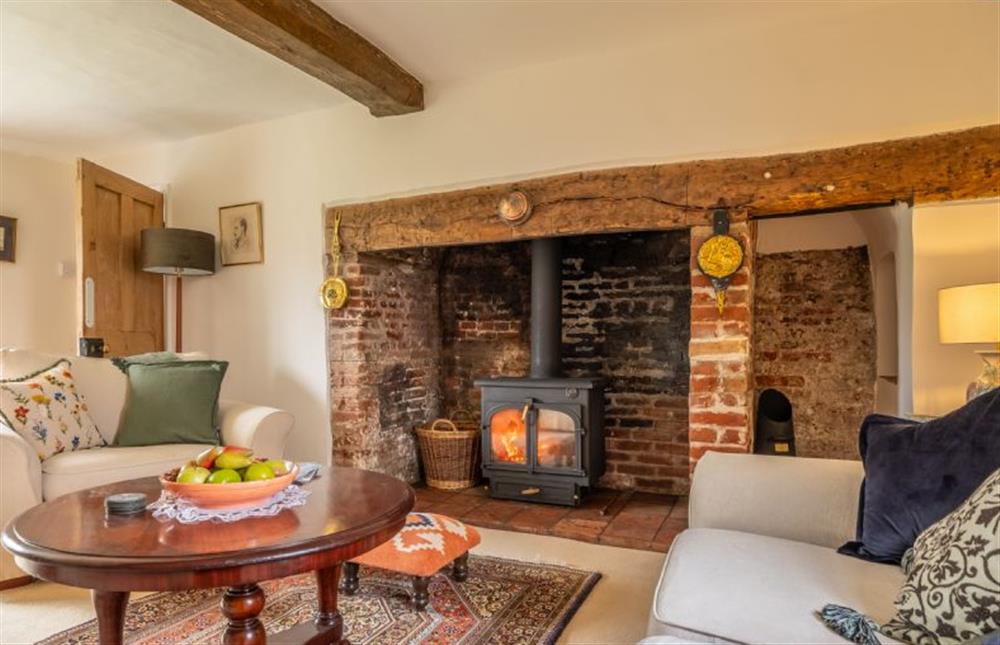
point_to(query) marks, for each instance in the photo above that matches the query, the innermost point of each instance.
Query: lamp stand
(989, 378)
(178, 309)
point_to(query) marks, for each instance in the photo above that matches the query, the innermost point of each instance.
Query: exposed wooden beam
(303, 35)
(938, 167)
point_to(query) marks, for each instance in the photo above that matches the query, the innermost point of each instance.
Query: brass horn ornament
(333, 293)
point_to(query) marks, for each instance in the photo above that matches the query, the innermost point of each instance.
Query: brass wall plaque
(514, 208)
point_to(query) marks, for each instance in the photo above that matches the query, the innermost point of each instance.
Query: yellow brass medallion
(720, 257)
(334, 293)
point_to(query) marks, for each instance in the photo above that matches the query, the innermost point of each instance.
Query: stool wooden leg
(420, 594)
(460, 568)
(351, 573)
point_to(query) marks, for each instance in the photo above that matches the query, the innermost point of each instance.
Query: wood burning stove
(543, 436)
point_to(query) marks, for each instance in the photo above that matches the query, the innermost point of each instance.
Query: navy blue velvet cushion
(916, 473)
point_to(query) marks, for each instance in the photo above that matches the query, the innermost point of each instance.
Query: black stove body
(543, 438)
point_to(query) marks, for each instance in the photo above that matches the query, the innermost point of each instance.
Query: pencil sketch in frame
(241, 234)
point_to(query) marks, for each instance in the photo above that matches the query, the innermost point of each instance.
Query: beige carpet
(615, 612)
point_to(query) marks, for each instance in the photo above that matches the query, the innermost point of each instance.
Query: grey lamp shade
(177, 251)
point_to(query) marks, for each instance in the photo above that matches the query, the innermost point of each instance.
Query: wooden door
(119, 302)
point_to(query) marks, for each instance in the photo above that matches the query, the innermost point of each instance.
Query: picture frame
(241, 234)
(8, 238)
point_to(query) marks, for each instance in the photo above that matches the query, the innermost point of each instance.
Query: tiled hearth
(616, 518)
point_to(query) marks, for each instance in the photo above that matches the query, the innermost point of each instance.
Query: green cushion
(123, 362)
(171, 403)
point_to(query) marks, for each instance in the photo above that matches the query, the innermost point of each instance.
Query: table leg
(328, 616)
(241, 605)
(110, 607)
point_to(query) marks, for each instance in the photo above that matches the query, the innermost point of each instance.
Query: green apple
(193, 475)
(224, 476)
(258, 472)
(278, 466)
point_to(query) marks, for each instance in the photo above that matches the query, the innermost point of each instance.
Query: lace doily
(171, 507)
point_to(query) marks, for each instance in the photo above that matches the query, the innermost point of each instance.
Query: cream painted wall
(37, 304)
(697, 94)
(809, 233)
(953, 244)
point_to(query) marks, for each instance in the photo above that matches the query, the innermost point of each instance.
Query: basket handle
(448, 422)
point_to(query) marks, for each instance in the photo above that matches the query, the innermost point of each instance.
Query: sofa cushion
(720, 585)
(916, 473)
(48, 412)
(73, 471)
(102, 385)
(952, 588)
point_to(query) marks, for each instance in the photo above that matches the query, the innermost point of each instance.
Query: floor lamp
(178, 252)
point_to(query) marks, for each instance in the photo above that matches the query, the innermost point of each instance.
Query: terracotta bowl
(229, 496)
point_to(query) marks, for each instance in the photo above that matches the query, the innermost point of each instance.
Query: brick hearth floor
(632, 520)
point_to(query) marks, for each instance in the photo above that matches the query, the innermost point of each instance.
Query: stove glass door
(556, 439)
(509, 437)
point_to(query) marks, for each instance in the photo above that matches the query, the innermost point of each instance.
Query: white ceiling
(118, 73)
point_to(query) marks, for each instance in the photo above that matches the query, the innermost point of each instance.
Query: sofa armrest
(20, 487)
(258, 427)
(807, 500)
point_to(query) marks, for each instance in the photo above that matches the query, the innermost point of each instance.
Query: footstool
(427, 543)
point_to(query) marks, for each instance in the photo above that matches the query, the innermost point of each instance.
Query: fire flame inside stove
(508, 434)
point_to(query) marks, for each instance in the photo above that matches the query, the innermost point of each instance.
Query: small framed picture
(8, 238)
(241, 234)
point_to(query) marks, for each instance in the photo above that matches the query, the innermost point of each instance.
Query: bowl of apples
(229, 477)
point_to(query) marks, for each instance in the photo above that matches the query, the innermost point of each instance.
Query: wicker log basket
(449, 449)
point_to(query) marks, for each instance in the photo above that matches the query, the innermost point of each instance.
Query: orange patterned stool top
(425, 544)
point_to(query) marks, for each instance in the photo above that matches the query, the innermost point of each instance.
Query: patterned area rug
(503, 602)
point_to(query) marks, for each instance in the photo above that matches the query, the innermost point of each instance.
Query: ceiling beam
(934, 168)
(304, 36)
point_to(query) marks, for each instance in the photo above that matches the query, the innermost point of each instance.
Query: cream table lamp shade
(971, 314)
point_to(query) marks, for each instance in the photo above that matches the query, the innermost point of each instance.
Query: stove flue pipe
(546, 308)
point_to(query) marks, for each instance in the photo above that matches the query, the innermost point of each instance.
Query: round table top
(346, 506)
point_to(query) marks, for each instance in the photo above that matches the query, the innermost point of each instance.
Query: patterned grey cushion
(952, 589)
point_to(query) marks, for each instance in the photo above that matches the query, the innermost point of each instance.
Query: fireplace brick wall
(384, 357)
(421, 325)
(814, 340)
(485, 311)
(720, 404)
(625, 317)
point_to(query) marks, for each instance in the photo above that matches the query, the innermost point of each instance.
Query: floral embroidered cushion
(952, 588)
(48, 412)
(425, 544)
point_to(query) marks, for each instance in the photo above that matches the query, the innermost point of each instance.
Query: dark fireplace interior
(426, 324)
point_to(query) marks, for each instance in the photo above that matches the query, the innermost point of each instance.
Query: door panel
(128, 303)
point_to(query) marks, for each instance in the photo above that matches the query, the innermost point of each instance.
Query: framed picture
(8, 238)
(241, 234)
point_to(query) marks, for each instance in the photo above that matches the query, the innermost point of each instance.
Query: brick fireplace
(423, 324)
(399, 353)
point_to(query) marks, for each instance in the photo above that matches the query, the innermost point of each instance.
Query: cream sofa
(759, 557)
(26, 481)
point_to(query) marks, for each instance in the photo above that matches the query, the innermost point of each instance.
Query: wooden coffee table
(70, 540)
